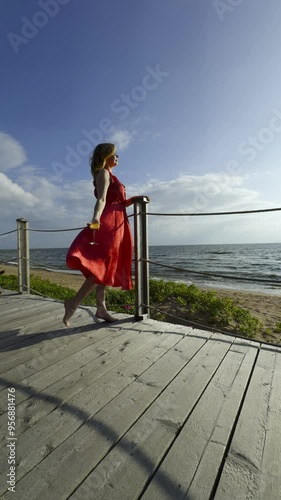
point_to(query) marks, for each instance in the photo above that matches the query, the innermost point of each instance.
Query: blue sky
(189, 90)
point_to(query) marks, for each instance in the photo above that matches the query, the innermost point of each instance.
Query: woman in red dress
(102, 251)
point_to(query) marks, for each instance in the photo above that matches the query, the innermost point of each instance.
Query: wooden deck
(134, 410)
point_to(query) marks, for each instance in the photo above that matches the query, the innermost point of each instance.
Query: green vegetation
(203, 307)
(169, 299)
(277, 328)
(122, 300)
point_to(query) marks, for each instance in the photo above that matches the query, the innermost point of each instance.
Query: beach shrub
(121, 301)
(277, 328)
(267, 331)
(204, 307)
(173, 302)
(39, 285)
(9, 282)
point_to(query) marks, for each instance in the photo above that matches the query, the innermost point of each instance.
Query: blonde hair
(100, 154)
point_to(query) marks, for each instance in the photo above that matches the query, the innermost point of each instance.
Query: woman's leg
(102, 312)
(72, 304)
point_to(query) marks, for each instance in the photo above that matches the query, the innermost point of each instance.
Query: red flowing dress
(110, 261)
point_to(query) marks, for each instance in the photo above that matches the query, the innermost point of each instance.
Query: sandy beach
(263, 306)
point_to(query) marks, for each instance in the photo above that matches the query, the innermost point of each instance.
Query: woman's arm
(130, 201)
(102, 185)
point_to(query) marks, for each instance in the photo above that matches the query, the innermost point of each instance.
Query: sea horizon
(255, 267)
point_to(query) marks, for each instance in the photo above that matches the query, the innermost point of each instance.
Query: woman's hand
(130, 201)
(95, 226)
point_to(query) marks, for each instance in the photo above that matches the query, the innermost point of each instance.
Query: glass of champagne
(95, 227)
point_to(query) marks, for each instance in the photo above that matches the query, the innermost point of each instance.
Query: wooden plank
(36, 345)
(17, 375)
(103, 344)
(191, 465)
(6, 292)
(25, 336)
(59, 353)
(39, 340)
(45, 322)
(62, 470)
(7, 295)
(19, 317)
(269, 347)
(49, 329)
(52, 343)
(42, 341)
(12, 308)
(128, 466)
(101, 331)
(22, 301)
(33, 376)
(61, 423)
(30, 411)
(15, 294)
(270, 485)
(11, 294)
(252, 466)
(143, 327)
(15, 336)
(26, 370)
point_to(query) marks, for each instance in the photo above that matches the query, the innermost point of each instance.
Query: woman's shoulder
(103, 175)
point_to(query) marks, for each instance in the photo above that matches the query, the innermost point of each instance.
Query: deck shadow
(164, 482)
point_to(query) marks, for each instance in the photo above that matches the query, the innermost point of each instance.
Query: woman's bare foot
(69, 311)
(102, 313)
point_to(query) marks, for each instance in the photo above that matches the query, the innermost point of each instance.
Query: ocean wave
(219, 253)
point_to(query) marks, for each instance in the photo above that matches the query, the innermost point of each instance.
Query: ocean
(254, 263)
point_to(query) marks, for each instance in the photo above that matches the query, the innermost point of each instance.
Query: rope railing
(192, 324)
(182, 270)
(190, 271)
(31, 229)
(187, 322)
(209, 328)
(8, 261)
(32, 261)
(61, 301)
(141, 259)
(126, 307)
(189, 214)
(8, 232)
(54, 230)
(42, 294)
(196, 214)
(141, 252)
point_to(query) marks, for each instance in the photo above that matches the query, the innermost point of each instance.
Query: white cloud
(45, 206)
(13, 195)
(121, 138)
(49, 206)
(200, 194)
(12, 154)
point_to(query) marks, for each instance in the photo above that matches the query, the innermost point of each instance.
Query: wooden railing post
(23, 256)
(141, 258)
